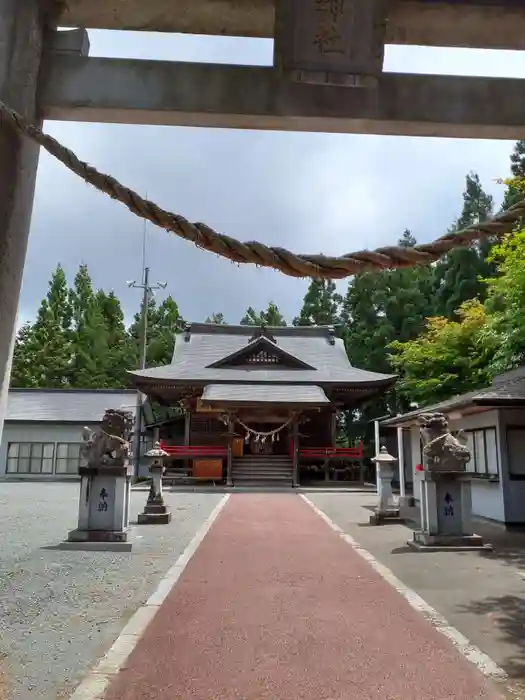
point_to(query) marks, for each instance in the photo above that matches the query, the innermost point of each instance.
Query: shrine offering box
(237, 447)
(207, 468)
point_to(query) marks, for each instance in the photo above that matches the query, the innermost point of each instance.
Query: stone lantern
(155, 511)
(385, 509)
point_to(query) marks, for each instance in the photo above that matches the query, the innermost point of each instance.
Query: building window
(30, 457)
(68, 458)
(483, 452)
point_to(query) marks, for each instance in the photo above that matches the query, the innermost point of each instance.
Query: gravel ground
(61, 610)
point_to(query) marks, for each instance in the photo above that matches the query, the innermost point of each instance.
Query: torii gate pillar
(21, 40)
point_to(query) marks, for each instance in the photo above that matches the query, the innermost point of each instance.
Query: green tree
(216, 318)
(378, 309)
(517, 167)
(166, 322)
(90, 367)
(43, 351)
(120, 355)
(321, 305)
(459, 276)
(163, 322)
(22, 374)
(506, 304)
(449, 358)
(270, 317)
(385, 306)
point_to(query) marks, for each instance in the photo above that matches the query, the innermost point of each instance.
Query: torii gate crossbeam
(328, 77)
(489, 24)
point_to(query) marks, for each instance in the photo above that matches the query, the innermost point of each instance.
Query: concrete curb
(94, 686)
(482, 661)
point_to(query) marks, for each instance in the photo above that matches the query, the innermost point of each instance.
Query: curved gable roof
(261, 344)
(314, 346)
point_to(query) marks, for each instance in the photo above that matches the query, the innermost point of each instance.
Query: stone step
(280, 458)
(255, 467)
(262, 483)
(251, 477)
(258, 465)
(263, 475)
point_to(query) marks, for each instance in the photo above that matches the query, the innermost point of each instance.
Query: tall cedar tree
(321, 305)
(378, 309)
(163, 322)
(43, 351)
(90, 334)
(271, 317)
(459, 275)
(120, 354)
(216, 318)
(517, 169)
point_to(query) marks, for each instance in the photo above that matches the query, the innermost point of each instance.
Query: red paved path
(275, 605)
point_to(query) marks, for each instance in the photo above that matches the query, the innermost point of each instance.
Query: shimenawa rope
(319, 266)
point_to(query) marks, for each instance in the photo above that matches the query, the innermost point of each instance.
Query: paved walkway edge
(472, 653)
(94, 685)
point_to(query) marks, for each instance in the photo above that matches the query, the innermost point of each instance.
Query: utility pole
(148, 289)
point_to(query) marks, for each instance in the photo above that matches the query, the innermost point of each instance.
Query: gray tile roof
(501, 392)
(293, 394)
(65, 405)
(209, 343)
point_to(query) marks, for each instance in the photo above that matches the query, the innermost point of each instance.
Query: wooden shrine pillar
(22, 25)
(187, 430)
(187, 424)
(229, 463)
(333, 429)
(295, 451)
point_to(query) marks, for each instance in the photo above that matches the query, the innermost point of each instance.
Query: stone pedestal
(407, 502)
(446, 513)
(386, 510)
(155, 511)
(105, 485)
(103, 513)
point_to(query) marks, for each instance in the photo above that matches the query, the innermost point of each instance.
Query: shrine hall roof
(66, 405)
(320, 358)
(256, 393)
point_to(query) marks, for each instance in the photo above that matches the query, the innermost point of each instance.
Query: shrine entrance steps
(263, 470)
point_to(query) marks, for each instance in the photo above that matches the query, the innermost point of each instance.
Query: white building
(43, 429)
(493, 420)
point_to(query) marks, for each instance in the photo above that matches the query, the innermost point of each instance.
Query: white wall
(514, 489)
(37, 432)
(487, 496)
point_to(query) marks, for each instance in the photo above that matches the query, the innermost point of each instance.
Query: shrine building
(247, 405)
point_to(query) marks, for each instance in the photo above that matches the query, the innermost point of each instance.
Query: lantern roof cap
(157, 451)
(384, 457)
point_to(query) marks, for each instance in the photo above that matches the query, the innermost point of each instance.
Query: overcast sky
(308, 192)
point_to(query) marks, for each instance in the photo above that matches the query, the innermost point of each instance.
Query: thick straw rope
(289, 263)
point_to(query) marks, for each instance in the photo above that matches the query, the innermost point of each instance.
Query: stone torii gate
(327, 76)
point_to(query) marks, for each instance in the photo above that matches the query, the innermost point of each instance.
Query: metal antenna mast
(148, 290)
